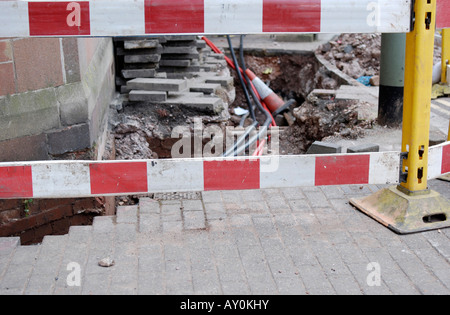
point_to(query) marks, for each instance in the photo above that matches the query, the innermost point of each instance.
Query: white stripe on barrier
(175, 175)
(14, 19)
(122, 17)
(287, 171)
(229, 16)
(72, 179)
(366, 16)
(384, 168)
(435, 161)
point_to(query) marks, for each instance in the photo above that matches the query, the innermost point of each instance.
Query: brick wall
(32, 219)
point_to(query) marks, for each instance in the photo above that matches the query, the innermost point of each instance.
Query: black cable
(244, 68)
(241, 140)
(238, 148)
(241, 80)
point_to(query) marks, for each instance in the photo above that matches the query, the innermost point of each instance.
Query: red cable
(260, 149)
(232, 65)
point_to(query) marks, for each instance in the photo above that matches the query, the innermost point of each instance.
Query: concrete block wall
(54, 95)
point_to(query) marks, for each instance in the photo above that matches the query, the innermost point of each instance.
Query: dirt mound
(322, 118)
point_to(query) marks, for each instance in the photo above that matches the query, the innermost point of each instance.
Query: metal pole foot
(406, 214)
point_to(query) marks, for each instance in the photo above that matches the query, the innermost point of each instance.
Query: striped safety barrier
(143, 17)
(443, 14)
(73, 179)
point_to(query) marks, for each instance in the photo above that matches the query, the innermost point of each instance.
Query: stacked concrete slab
(136, 58)
(173, 70)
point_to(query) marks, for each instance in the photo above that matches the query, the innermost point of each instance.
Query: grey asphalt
(301, 241)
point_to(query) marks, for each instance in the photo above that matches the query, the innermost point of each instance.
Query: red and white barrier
(443, 14)
(71, 179)
(143, 17)
(439, 160)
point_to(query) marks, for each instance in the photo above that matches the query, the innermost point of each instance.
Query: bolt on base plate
(405, 214)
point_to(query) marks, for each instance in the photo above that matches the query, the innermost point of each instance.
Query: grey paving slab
(296, 241)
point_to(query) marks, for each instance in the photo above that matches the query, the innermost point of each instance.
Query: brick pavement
(277, 241)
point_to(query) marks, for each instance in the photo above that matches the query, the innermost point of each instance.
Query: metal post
(392, 74)
(445, 55)
(411, 207)
(417, 97)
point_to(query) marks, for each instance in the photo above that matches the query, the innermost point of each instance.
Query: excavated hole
(146, 131)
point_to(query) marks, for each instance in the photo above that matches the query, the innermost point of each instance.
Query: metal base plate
(406, 214)
(445, 177)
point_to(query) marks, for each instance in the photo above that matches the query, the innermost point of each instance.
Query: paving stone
(156, 84)
(225, 82)
(103, 225)
(207, 104)
(170, 50)
(147, 96)
(141, 44)
(325, 248)
(138, 73)
(127, 214)
(207, 88)
(369, 147)
(175, 63)
(142, 58)
(194, 220)
(319, 147)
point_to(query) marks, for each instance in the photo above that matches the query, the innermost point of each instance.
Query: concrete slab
(157, 84)
(301, 241)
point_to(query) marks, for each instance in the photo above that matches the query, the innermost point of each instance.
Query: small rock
(375, 80)
(348, 49)
(326, 47)
(106, 262)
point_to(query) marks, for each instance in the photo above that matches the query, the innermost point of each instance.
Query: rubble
(359, 55)
(321, 118)
(354, 54)
(165, 82)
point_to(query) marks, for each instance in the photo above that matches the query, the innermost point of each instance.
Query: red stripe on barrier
(443, 14)
(291, 16)
(59, 18)
(16, 182)
(231, 175)
(112, 178)
(182, 16)
(446, 159)
(342, 170)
